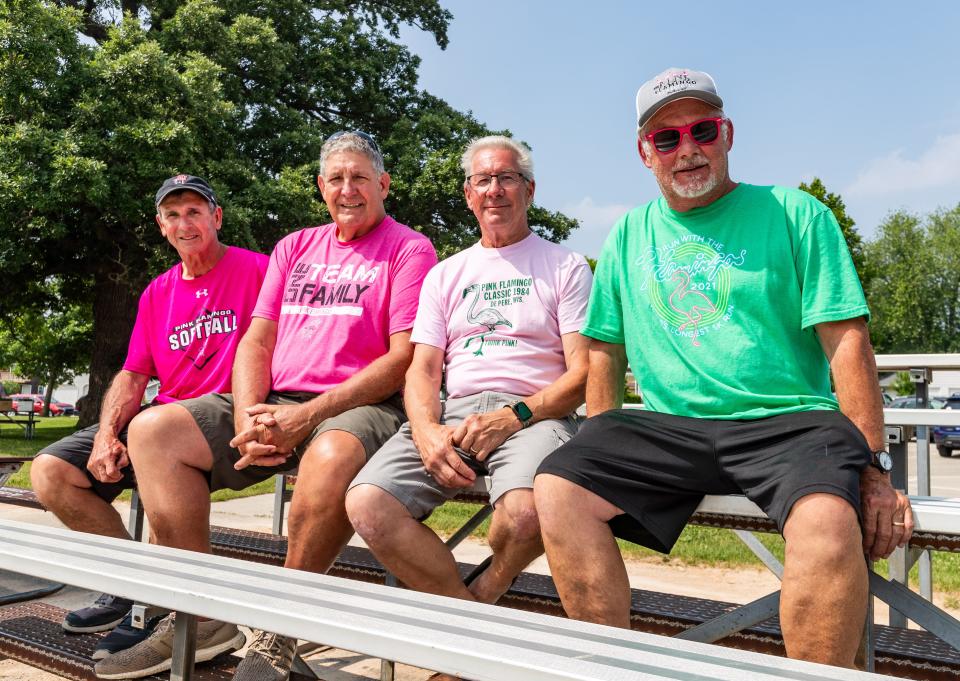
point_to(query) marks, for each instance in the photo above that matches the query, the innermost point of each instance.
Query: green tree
(52, 345)
(915, 286)
(835, 203)
(96, 110)
(903, 385)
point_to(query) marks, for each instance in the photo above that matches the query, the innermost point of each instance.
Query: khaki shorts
(399, 470)
(373, 425)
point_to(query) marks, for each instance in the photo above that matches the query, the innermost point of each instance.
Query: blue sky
(865, 95)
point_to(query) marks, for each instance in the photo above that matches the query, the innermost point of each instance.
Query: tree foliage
(100, 100)
(51, 345)
(914, 292)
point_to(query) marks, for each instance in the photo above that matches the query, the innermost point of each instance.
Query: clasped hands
(440, 446)
(268, 433)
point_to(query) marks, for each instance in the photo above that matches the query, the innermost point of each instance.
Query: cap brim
(707, 97)
(170, 190)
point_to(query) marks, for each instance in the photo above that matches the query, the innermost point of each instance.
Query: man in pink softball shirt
(189, 323)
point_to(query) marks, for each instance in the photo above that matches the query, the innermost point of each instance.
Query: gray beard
(695, 191)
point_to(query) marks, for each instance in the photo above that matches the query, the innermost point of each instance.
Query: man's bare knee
(172, 429)
(520, 515)
(822, 528)
(49, 475)
(371, 512)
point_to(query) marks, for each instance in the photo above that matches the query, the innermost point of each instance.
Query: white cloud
(938, 166)
(595, 223)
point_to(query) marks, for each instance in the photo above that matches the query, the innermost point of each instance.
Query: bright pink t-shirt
(499, 313)
(336, 303)
(187, 330)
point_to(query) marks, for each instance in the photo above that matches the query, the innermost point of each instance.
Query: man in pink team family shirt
(315, 387)
(189, 323)
(501, 319)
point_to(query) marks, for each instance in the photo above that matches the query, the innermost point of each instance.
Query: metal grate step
(906, 653)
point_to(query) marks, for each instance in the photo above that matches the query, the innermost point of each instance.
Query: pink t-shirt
(187, 330)
(336, 304)
(498, 313)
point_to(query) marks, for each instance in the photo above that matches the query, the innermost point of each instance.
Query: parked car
(910, 402)
(66, 409)
(947, 438)
(37, 403)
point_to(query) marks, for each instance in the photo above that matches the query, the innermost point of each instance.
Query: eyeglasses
(482, 182)
(703, 132)
(366, 137)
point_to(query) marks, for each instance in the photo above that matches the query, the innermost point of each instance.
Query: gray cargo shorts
(398, 469)
(372, 424)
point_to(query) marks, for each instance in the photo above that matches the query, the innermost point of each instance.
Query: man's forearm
(251, 377)
(122, 402)
(421, 399)
(605, 377)
(560, 398)
(855, 376)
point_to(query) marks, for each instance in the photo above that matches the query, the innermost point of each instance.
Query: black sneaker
(124, 636)
(106, 613)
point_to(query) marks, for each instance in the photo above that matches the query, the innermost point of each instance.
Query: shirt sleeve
(574, 295)
(829, 286)
(406, 283)
(274, 282)
(139, 354)
(430, 327)
(605, 311)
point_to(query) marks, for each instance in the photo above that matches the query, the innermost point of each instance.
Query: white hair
(520, 150)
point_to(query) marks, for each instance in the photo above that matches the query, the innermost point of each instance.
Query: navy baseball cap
(179, 183)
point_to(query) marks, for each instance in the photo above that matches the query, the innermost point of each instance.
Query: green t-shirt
(716, 306)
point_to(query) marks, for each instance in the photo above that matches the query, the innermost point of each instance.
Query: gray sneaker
(269, 658)
(155, 654)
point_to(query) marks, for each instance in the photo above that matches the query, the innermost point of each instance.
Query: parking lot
(944, 473)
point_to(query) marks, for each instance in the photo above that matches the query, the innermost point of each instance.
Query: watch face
(885, 461)
(523, 411)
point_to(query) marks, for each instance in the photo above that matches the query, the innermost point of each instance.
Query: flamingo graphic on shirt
(488, 318)
(690, 304)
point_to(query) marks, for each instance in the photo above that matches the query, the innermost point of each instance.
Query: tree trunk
(48, 394)
(114, 310)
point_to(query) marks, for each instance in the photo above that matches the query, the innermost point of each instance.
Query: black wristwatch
(522, 412)
(881, 460)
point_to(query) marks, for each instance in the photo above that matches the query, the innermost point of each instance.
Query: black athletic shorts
(76, 448)
(657, 467)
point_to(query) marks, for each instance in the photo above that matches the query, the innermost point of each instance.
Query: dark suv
(947, 438)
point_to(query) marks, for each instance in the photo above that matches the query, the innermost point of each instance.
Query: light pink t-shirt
(336, 304)
(498, 313)
(187, 330)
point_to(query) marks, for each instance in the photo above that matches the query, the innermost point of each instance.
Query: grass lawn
(696, 546)
(53, 428)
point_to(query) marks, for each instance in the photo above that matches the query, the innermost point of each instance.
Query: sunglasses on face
(703, 132)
